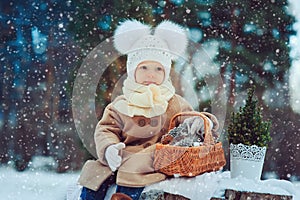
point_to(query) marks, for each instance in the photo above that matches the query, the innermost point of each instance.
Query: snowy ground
(36, 183)
(39, 183)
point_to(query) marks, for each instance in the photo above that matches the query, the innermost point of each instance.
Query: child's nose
(151, 74)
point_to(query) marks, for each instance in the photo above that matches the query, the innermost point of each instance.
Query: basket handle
(213, 119)
(208, 139)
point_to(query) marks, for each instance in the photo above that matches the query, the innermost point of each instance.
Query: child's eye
(159, 69)
(143, 67)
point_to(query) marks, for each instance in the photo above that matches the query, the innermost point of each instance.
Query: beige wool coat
(140, 134)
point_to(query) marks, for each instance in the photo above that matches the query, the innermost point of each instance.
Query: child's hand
(112, 155)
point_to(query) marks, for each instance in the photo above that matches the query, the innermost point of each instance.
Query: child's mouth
(148, 82)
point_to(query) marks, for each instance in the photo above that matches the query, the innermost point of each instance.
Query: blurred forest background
(43, 43)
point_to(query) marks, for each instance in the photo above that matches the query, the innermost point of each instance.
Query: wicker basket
(189, 161)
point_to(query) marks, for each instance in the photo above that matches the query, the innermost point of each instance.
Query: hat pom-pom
(127, 33)
(174, 35)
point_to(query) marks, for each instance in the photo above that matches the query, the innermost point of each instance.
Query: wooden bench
(241, 195)
(229, 195)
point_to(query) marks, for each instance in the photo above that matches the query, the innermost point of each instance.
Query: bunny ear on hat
(174, 35)
(127, 33)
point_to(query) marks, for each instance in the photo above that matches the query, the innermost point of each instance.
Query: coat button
(142, 122)
(153, 122)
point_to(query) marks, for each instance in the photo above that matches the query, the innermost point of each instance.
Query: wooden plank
(169, 196)
(242, 195)
(229, 195)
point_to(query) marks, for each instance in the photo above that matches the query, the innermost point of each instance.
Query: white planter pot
(246, 161)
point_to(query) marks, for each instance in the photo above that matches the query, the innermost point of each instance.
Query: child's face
(149, 72)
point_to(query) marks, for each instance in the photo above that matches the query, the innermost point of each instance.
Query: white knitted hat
(135, 39)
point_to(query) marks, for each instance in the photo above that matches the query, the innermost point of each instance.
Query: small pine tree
(247, 126)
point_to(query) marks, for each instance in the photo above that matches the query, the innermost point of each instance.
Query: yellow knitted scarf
(144, 100)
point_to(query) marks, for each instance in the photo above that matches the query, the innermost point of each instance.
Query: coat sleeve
(184, 106)
(181, 105)
(108, 131)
